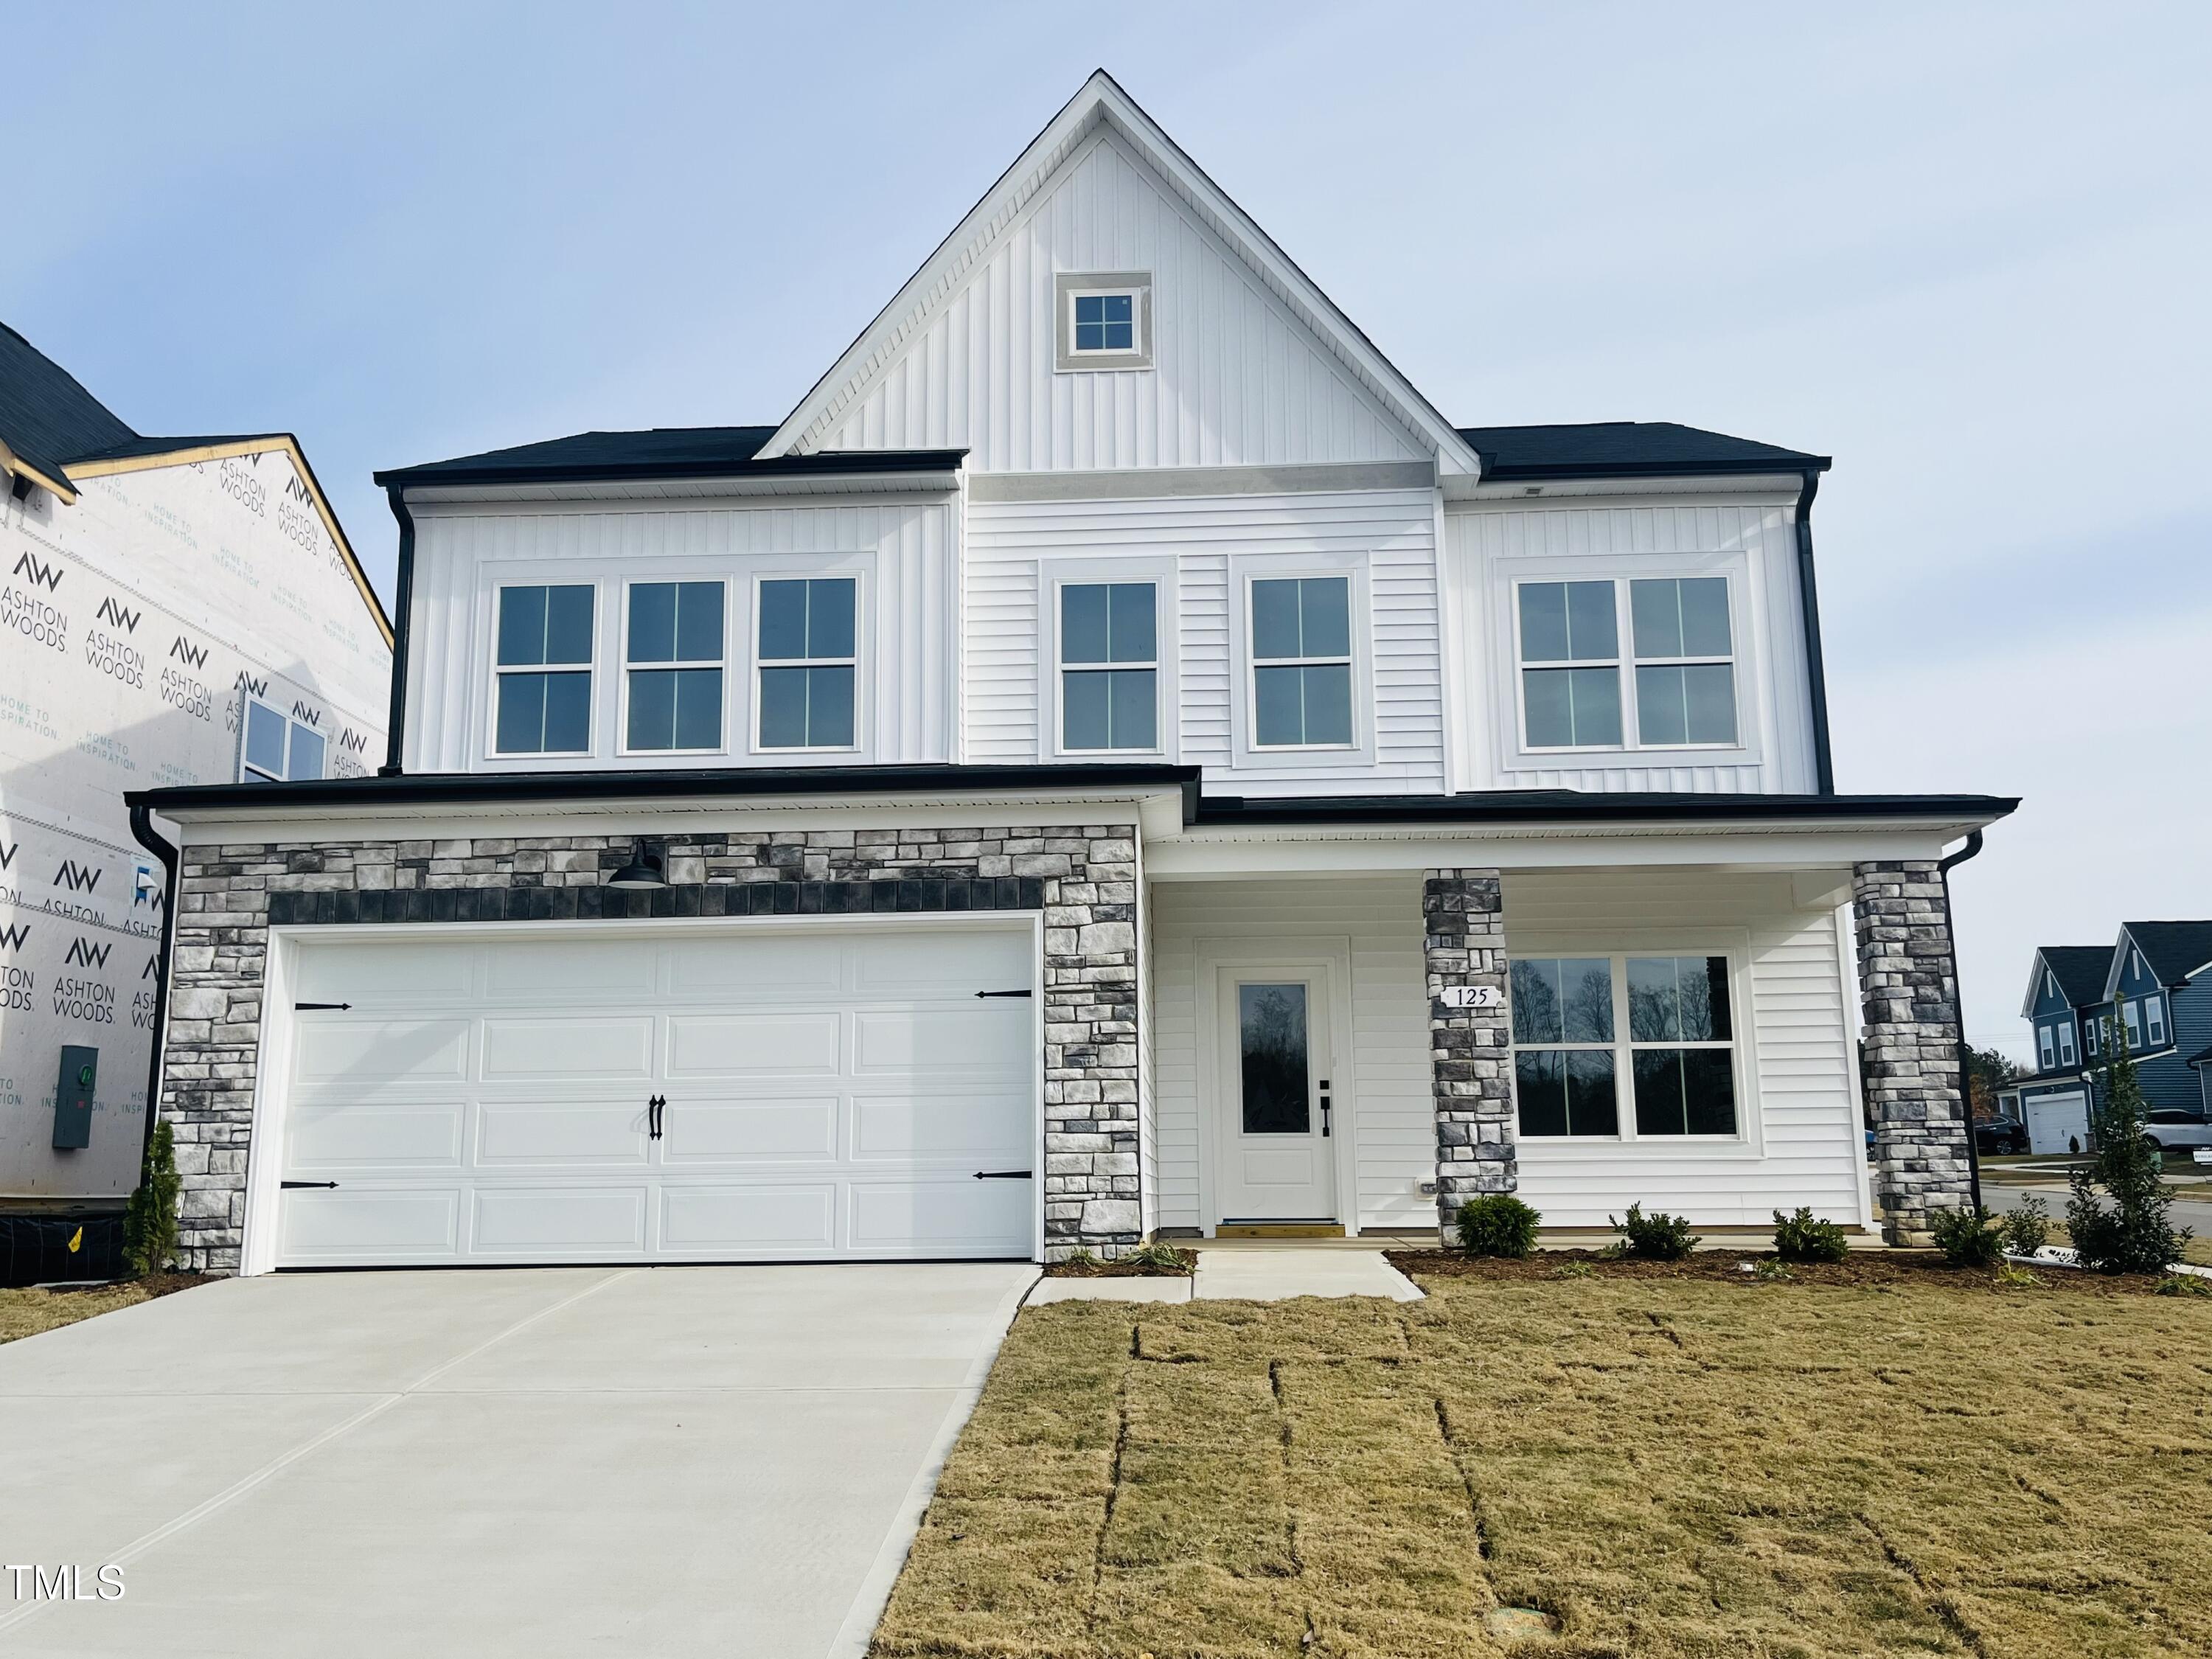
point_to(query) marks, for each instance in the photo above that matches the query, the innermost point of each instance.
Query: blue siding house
(2066, 1004)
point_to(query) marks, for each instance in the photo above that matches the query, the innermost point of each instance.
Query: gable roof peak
(1102, 101)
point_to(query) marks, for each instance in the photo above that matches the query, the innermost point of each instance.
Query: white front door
(759, 1091)
(1278, 1113)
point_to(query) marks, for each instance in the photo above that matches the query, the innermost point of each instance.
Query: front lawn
(28, 1312)
(1669, 1465)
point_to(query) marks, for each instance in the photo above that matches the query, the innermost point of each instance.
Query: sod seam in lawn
(1668, 1467)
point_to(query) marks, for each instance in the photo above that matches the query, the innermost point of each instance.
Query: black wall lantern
(647, 867)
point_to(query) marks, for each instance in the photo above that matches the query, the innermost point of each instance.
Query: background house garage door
(829, 1093)
(2053, 1120)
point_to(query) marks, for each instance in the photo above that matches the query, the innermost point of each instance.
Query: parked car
(2000, 1135)
(2169, 1127)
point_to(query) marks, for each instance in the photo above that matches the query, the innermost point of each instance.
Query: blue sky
(1960, 248)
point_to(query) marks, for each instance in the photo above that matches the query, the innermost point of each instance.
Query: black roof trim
(2199, 1058)
(699, 452)
(1626, 449)
(1569, 805)
(1498, 806)
(460, 788)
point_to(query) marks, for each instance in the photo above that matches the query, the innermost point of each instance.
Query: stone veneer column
(1909, 988)
(1082, 878)
(1463, 926)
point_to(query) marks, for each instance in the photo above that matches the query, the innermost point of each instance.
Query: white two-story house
(1113, 761)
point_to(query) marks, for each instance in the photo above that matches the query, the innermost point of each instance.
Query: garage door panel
(925, 1042)
(561, 1220)
(946, 1216)
(521, 1134)
(759, 1219)
(933, 964)
(358, 1224)
(413, 973)
(778, 965)
(739, 1131)
(360, 1051)
(793, 1044)
(575, 1049)
(544, 968)
(941, 1125)
(354, 1135)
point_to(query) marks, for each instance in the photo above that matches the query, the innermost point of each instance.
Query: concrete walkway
(673, 1461)
(1257, 1273)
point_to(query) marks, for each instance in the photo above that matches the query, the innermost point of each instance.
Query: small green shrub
(1968, 1238)
(1770, 1272)
(2027, 1229)
(2183, 1284)
(1800, 1238)
(1574, 1270)
(1497, 1223)
(1080, 1257)
(2011, 1276)
(1161, 1257)
(1656, 1237)
(149, 1218)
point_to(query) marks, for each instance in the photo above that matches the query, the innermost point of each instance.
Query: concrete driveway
(670, 1460)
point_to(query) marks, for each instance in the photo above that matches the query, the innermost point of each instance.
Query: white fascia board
(2035, 987)
(1783, 488)
(1101, 101)
(692, 492)
(1156, 812)
(2120, 949)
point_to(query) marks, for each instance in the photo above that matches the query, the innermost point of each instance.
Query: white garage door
(2053, 1120)
(822, 1093)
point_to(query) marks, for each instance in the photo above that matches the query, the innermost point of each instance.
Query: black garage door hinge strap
(1004, 1175)
(288, 1185)
(306, 1007)
(1024, 992)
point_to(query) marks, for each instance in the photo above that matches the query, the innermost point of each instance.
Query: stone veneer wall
(1083, 879)
(1463, 941)
(1910, 989)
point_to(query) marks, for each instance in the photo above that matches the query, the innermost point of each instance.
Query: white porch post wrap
(1910, 989)
(1463, 928)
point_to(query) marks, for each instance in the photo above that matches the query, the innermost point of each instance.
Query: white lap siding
(1804, 1140)
(1390, 1112)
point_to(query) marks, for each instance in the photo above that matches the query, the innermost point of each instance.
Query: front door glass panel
(1272, 1027)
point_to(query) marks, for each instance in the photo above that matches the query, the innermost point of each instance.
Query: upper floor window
(2154, 1019)
(2089, 1036)
(1110, 665)
(2129, 1019)
(544, 671)
(807, 662)
(1570, 1060)
(1301, 638)
(1105, 319)
(2065, 1033)
(673, 659)
(276, 748)
(1682, 648)
(2046, 1048)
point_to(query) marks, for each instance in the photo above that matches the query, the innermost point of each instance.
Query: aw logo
(83, 953)
(78, 878)
(16, 936)
(33, 568)
(116, 615)
(8, 854)
(353, 742)
(251, 686)
(183, 650)
(306, 716)
(295, 490)
(153, 968)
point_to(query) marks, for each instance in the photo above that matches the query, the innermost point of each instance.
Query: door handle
(653, 1107)
(1326, 1109)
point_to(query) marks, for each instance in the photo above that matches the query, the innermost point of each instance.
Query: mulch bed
(1863, 1269)
(1120, 1269)
(153, 1283)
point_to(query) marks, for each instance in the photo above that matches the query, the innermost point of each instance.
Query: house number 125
(1473, 996)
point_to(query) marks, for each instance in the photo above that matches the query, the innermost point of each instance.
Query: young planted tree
(149, 1219)
(2134, 1233)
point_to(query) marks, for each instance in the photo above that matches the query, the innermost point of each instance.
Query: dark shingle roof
(684, 452)
(2080, 970)
(1625, 449)
(46, 416)
(2175, 950)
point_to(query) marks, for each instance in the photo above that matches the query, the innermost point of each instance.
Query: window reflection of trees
(1273, 1021)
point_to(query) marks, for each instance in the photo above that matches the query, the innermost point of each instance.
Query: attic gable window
(1105, 321)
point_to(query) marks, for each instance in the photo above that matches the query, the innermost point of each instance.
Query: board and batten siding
(1387, 1107)
(1795, 1064)
(1236, 379)
(907, 551)
(1012, 547)
(1754, 543)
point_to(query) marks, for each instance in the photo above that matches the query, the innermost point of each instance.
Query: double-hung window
(276, 749)
(1658, 1028)
(2046, 1048)
(2065, 1033)
(2129, 1019)
(1681, 649)
(2154, 1019)
(673, 656)
(807, 662)
(2089, 1036)
(1301, 634)
(1110, 665)
(543, 700)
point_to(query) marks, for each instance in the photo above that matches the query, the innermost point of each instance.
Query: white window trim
(1245, 753)
(1625, 662)
(1749, 1139)
(1056, 573)
(2155, 1020)
(1068, 286)
(497, 582)
(2046, 1047)
(246, 772)
(621, 704)
(2129, 1019)
(833, 567)
(1506, 576)
(2064, 1031)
